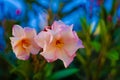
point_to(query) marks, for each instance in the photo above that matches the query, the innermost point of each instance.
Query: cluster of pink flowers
(58, 42)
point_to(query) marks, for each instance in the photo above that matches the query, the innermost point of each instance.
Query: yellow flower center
(24, 43)
(59, 43)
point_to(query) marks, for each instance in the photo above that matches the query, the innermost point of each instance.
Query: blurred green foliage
(99, 60)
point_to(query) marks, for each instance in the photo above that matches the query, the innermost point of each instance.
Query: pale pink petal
(70, 50)
(21, 53)
(66, 33)
(49, 54)
(79, 42)
(34, 48)
(42, 38)
(72, 46)
(58, 25)
(14, 40)
(17, 31)
(71, 41)
(62, 55)
(30, 32)
(23, 57)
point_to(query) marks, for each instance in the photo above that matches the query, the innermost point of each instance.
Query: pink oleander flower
(23, 42)
(59, 42)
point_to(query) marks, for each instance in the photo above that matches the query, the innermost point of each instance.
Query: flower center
(59, 43)
(25, 43)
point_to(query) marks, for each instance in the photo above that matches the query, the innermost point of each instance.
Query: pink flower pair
(59, 42)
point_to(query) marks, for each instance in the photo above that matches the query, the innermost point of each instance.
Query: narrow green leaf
(64, 73)
(103, 28)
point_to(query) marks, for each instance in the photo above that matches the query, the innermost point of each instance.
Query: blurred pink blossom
(59, 42)
(23, 42)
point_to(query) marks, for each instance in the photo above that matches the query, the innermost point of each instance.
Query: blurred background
(97, 23)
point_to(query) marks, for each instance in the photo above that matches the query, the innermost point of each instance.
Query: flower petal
(17, 31)
(42, 38)
(21, 53)
(29, 32)
(34, 48)
(58, 25)
(14, 41)
(79, 42)
(71, 42)
(49, 54)
(62, 55)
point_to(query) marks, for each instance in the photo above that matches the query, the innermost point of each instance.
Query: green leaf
(96, 45)
(64, 73)
(37, 76)
(113, 55)
(48, 70)
(103, 28)
(23, 68)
